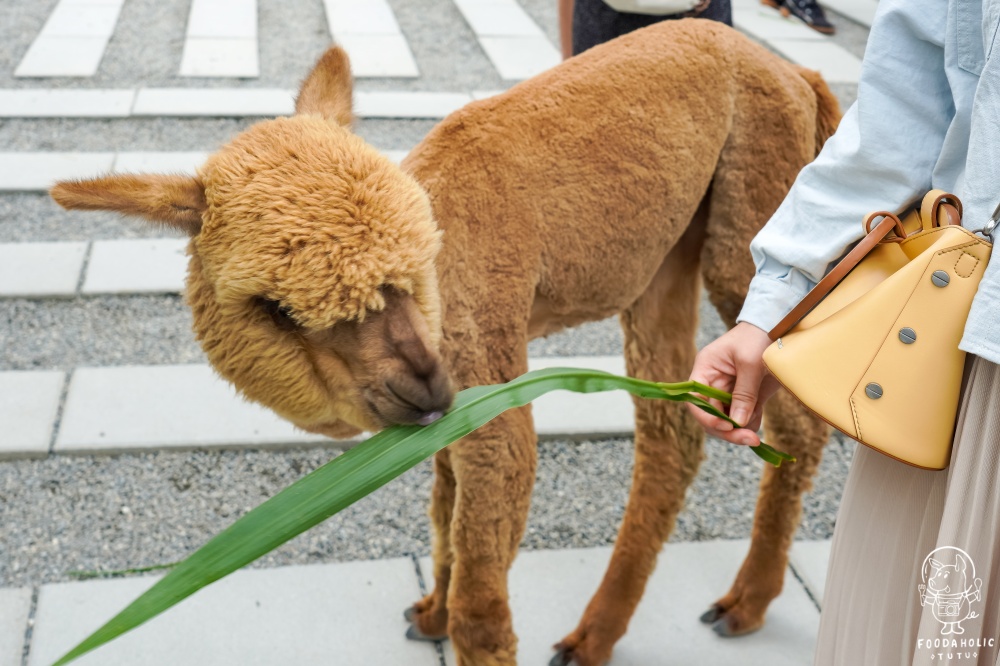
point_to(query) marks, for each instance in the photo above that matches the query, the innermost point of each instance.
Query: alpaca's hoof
(415, 634)
(722, 628)
(563, 657)
(728, 624)
(409, 614)
(712, 615)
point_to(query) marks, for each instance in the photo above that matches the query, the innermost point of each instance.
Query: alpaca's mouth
(392, 409)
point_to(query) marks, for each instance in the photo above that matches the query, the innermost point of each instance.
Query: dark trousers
(595, 23)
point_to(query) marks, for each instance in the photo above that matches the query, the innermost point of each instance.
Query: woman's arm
(882, 155)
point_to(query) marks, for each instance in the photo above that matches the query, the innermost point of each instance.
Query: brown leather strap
(930, 209)
(952, 208)
(839, 272)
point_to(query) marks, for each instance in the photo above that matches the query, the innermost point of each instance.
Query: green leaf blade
(361, 470)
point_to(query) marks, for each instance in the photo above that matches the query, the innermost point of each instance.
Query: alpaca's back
(601, 163)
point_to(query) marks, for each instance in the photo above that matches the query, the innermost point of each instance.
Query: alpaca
(347, 294)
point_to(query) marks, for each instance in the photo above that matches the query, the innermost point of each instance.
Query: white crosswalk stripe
(73, 40)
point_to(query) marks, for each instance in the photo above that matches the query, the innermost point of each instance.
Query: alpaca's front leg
(429, 616)
(494, 474)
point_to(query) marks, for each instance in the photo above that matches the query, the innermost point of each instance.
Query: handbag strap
(875, 236)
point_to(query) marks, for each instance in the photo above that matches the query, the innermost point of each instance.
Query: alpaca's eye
(280, 314)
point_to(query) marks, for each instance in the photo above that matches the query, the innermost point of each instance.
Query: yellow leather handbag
(873, 348)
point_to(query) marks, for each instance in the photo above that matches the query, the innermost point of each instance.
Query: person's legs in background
(587, 23)
(594, 22)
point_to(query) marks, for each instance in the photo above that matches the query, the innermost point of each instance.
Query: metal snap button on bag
(849, 350)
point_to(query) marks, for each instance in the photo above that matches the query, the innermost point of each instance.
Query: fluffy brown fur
(328, 286)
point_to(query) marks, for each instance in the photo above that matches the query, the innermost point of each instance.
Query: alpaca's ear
(177, 201)
(327, 90)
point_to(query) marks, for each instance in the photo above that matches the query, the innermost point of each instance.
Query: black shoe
(808, 11)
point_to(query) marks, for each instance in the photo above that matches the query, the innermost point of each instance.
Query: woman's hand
(734, 363)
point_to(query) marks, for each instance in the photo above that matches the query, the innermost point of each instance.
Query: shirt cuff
(769, 299)
(980, 336)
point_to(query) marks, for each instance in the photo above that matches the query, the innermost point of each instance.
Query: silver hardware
(873, 391)
(780, 346)
(940, 278)
(991, 226)
(907, 335)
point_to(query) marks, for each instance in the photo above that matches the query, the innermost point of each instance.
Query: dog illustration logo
(950, 587)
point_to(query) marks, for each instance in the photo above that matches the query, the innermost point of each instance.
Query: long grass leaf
(368, 466)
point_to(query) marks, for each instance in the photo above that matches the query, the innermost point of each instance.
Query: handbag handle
(875, 236)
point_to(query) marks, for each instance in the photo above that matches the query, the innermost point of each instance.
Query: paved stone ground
(67, 513)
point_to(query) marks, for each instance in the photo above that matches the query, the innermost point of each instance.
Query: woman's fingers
(733, 363)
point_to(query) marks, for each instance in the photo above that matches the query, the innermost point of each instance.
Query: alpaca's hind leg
(429, 616)
(787, 427)
(659, 345)
(753, 176)
(494, 473)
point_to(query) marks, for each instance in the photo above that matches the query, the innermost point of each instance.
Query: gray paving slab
(214, 102)
(766, 23)
(372, 17)
(810, 560)
(159, 161)
(39, 171)
(28, 408)
(149, 407)
(550, 589)
(372, 37)
(41, 269)
(519, 57)
(514, 43)
(82, 20)
(33, 172)
(72, 41)
(304, 615)
(379, 55)
(859, 11)
(223, 18)
(154, 265)
(834, 62)
(498, 18)
(408, 104)
(55, 103)
(15, 607)
(235, 57)
(579, 416)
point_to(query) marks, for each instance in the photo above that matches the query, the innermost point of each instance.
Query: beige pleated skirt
(914, 574)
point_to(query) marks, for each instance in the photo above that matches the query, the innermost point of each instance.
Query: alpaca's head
(311, 277)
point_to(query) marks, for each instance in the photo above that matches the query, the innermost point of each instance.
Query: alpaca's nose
(427, 391)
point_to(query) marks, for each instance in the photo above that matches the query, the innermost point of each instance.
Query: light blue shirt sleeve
(882, 156)
(981, 193)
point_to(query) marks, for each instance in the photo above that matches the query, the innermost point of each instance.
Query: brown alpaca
(347, 293)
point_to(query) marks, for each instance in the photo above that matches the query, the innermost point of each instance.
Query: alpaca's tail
(827, 108)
